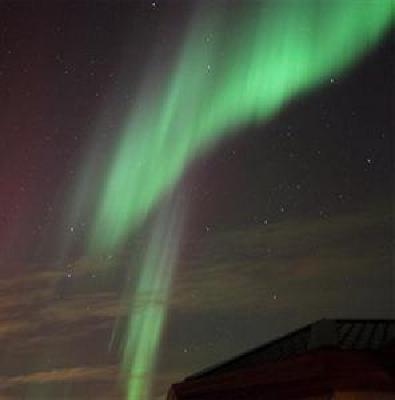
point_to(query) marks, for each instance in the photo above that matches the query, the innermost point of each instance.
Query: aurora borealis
(278, 50)
(182, 180)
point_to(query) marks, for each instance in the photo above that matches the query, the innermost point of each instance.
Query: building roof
(342, 334)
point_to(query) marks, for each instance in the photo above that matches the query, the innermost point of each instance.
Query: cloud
(75, 375)
(285, 265)
(295, 270)
(79, 307)
(13, 327)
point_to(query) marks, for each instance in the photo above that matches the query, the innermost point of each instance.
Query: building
(330, 359)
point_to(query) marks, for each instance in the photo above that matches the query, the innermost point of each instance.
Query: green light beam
(227, 76)
(230, 72)
(148, 309)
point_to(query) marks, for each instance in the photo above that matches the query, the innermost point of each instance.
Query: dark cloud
(298, 270)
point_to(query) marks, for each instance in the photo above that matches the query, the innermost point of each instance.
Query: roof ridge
(313, 341)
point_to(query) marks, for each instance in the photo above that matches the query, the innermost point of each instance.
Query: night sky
(285, 221)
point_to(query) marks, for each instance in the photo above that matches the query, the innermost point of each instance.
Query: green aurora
(227, 75)
(149, 305)
(232, 70)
